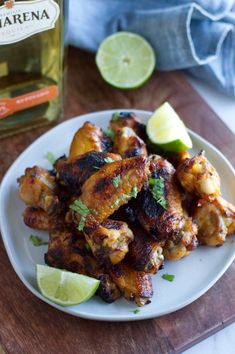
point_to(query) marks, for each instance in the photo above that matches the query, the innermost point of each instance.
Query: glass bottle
(32, 63)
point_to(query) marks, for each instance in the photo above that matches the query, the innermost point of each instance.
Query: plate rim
(99, 317)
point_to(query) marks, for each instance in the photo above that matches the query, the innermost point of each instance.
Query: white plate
(194, 275)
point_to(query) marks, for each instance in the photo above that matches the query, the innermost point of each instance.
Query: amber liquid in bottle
(32, 64)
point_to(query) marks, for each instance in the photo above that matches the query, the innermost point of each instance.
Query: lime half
(166, 130)
(65, 288)
(125, 60)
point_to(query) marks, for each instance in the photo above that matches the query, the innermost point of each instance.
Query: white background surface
(223, 342)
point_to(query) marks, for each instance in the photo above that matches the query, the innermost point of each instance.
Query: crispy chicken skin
(133, 285)
(74, 172)
(68, 250)
(215, 220)
(109, 240)
(128, 144)
(102, 197)
(198, 176)
(88, 138)
(36, 218)
(130, 120)
(38, 188)
(145, 254)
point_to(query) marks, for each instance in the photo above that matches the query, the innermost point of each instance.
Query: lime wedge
(125, 60)
(65, 288)
(166, 130)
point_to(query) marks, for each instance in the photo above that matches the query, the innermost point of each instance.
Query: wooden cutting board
(30, 326)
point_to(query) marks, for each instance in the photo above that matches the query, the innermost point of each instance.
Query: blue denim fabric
(197, 36)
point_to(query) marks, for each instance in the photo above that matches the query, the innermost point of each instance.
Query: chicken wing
(109, 240)
(198, 176)
(89, 137)
(161, 222)
(112, 186)
(74, 172)
(167, 223)
(215, 220)
(128, 144)
(179, 247)
(145, 254)
(36, 218)
(68, 250)
(134, 285)
(38, 188)
(130, 120)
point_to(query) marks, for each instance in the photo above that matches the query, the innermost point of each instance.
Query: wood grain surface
(29, 326)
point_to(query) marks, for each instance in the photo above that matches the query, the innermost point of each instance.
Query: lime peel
(63, 287)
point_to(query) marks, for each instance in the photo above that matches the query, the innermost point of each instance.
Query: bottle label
(22, 19)
(8, 106)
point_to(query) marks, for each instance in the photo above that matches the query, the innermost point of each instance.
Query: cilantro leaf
(169, 277)
(136, 311)
(157, 186)
(108, 160)
(79, 207)
(116, 181)
(109, 133)
(123, 197)
(134, 192)
(37, 241)
(50, 157)
(115, 116)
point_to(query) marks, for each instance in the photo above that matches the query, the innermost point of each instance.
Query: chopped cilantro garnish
(157, 186)
(115, 116)
(123, 197)
(50, 157)
(134, 192)
(108, 160)
(87, 246)
(37, 241)
(79, 207)
(96, 167)
(109, 133)
(136, 311)
(116, 181)
(169, 277)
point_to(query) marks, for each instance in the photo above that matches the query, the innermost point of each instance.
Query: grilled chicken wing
(179, 247)
(170, 223)
(74, 172)
(38, 189)
(128, 119)
(36, 218)
(145, 254)
(68, 250)
(159, 222)
(109, 240)
(128, 144)
(89, 137)
(198, 176)
(215, 220)
(134, 285)
(112, 186)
